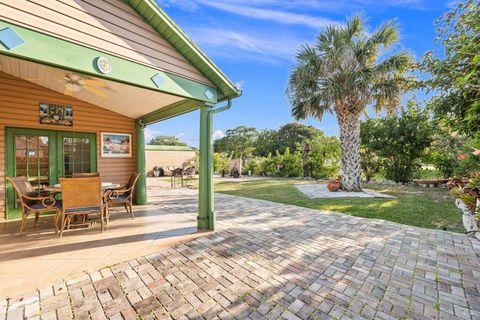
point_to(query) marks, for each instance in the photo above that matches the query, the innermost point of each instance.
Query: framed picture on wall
(116, 145)
(56, 114)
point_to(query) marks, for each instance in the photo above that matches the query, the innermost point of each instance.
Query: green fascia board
(171, 111)
(161, 22)
(151, 147)
(49, 50)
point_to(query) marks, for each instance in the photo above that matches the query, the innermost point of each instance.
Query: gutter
(227, 106)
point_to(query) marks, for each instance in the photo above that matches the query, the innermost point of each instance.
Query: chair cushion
(82, 209)
(120, 197)
(38, 206)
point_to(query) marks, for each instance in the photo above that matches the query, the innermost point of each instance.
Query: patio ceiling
(130, 101)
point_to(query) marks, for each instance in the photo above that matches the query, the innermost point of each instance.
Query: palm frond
(399, 61)
(386, 35)
(354, 27)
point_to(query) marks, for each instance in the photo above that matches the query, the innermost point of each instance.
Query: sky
(254, 43)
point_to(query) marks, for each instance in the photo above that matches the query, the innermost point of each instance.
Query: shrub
(400, 141)
(252, 165)
(221, 162)
(291, 164)
(325, 155)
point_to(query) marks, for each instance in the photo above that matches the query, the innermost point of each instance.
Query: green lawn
(415, 206)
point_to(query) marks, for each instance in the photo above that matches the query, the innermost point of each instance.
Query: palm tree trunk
(350, 171)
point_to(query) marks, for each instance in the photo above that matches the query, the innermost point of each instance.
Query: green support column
(206, 212)
(142, 180)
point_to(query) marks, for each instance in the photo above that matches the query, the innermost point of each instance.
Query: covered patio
(40, 258)
(76, 75)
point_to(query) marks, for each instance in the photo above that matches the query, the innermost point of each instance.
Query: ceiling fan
(75, 83)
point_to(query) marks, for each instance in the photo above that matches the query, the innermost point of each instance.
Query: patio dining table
(80, 221)
(58, 188)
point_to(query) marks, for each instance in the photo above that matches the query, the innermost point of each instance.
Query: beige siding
(111, 26)
(167, 158)
(19, 101)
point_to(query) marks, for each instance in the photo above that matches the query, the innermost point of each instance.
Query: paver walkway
(318, 191)
(271, 261)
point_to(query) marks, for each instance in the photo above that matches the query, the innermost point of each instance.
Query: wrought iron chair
(81, 196)
(85, 174)
(122, 195)
(32, 202)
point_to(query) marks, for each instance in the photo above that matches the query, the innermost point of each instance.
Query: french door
(43, 156)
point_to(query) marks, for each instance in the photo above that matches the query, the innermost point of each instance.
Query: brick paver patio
(271, 261)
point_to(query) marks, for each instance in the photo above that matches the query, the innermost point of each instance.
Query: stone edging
(469, 222)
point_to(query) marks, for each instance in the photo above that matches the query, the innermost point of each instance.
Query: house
(80, 80)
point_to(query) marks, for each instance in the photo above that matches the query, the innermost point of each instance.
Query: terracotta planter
(334, 185)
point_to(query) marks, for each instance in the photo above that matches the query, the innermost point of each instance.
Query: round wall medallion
(104, 65)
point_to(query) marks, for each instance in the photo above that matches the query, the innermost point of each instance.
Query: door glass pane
(76, 156)
(32, 159)
(20, 142)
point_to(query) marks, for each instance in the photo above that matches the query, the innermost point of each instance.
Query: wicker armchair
(81, 196)
(85, 175)
(32, 202)
(122, 195)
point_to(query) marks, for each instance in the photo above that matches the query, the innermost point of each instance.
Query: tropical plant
(221, 162)
(342, 73)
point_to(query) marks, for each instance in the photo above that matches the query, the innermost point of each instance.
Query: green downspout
(206, 209)
(141, 186)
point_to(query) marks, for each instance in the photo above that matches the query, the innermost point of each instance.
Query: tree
(167, 141)
(341, 73)
(456, 73)
(400, 141)
(238, 142)
(294, 134)
(267, 142)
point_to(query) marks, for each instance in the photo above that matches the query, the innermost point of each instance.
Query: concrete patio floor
(269, 261)
(39, 257)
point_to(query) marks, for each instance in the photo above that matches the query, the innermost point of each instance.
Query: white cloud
(218, 134)
(260, 47)
(239, 84)
(279, 16)
(150, 134)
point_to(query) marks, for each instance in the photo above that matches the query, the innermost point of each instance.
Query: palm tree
(341, 73)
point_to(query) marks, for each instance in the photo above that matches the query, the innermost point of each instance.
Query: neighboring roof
(168, 148)
(161, 22)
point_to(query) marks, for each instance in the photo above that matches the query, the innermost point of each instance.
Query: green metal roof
(168, 148)
(161, 22)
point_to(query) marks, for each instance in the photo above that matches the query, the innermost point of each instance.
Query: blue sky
(254, 43)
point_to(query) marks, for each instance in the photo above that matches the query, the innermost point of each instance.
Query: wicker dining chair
(122, 195)
(85, 174)
(81, 196)
(32, 202)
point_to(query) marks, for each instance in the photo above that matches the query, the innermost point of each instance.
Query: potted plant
(156, 171)
(334, 185)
